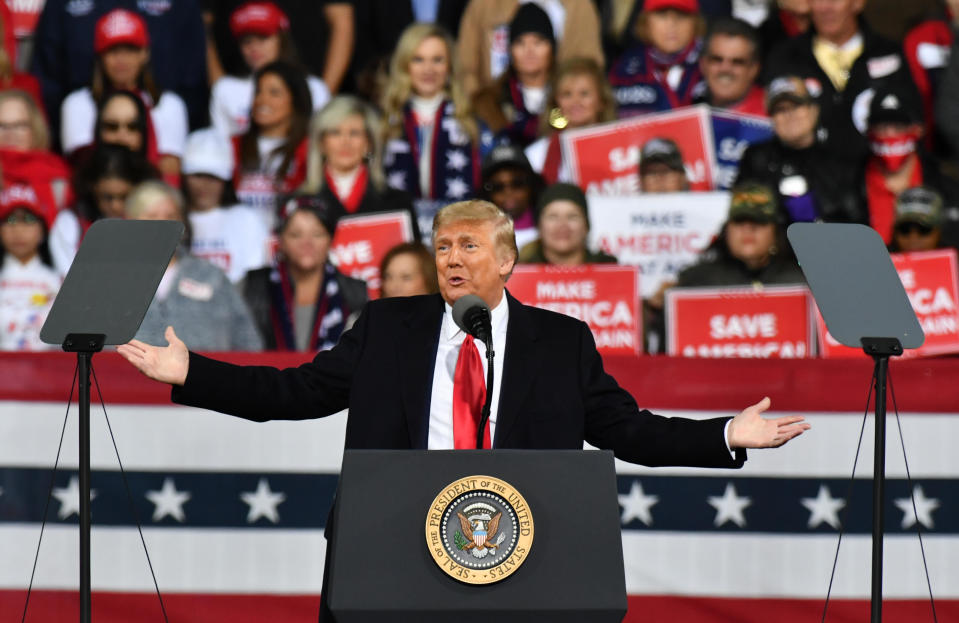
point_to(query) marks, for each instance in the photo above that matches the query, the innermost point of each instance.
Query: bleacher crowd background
(651, 153)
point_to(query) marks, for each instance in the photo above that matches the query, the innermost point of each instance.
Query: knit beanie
(563, 192)
(531, 18)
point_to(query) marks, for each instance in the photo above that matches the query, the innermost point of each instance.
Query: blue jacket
(638, 90)
(63, 49)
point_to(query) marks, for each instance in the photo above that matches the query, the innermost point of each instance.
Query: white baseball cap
(207, 151)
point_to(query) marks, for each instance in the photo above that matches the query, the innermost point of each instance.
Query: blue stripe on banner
(216, 499)
(648, 503)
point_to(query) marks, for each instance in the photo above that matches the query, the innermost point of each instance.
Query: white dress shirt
(441, 398)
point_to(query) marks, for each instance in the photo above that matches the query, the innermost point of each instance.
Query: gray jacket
(205, 310)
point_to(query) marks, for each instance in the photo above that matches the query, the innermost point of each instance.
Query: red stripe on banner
(47, 606)
(922, 385)
(188, 608)
(666, 609)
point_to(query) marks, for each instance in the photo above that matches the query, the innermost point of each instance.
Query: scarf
(881, 201)
(659, 63)
(554, 158)
(524, 125)
(351, 202)
(329, 318)
(454, 159)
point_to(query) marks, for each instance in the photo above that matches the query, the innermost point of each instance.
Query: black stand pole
(487, 405)
(880, 349)
(84, 345)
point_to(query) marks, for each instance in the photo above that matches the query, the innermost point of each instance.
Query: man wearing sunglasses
(730, 65)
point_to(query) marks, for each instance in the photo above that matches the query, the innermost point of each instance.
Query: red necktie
(469, 392)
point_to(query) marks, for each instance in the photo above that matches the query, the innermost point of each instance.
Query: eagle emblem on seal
(480, 524)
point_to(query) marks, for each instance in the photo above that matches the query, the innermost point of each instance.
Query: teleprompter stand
(102, 301)
(865, 306)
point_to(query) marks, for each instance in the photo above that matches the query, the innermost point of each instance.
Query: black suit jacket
(554, 394)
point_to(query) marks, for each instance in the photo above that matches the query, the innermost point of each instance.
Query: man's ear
(506, 267)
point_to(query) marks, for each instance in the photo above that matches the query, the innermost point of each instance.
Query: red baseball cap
(685, 6)
(120, 27)
(22, 196)
(258, 18)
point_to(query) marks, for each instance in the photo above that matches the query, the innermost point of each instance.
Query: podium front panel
(382, 569)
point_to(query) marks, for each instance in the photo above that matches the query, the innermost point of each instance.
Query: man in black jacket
(811, 183)
(395, 372)
(842, 62)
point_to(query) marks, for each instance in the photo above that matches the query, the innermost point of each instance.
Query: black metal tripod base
(84, 345)
(880, 349)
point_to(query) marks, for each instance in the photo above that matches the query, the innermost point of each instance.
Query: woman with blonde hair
(22, 124)
(342, 165)
(434, 145)
(579, 97)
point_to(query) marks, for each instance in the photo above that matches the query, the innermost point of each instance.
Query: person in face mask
(896, 160)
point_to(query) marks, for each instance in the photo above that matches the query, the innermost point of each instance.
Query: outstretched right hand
(167, 364)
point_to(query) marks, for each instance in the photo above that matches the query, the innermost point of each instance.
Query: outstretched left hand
(750, 429)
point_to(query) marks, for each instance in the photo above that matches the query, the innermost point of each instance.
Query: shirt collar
(498, 317)
(855, 42)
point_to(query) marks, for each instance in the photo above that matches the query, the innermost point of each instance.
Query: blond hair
(400, 87)
(149, 192)
(479, 210)
(336, 111)
(580, 66)
(38, 124)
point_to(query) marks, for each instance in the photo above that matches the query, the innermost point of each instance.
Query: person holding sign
(342, 164)
(401, 372)
(303, 302)
(661, 168)
(580, 97)
(434, 144)
(563, 224)
(662, 72)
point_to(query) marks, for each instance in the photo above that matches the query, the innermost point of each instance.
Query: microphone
(472, 315)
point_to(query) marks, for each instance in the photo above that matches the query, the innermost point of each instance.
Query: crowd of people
(261, 124)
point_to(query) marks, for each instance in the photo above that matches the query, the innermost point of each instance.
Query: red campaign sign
(774, 322)
(930, 279)
(25, 15)
(361, 242)
(604, 297)
(604, 159)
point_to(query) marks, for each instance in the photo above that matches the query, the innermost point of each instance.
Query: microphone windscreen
(462, 308)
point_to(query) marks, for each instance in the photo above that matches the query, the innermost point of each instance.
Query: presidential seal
(479, 529)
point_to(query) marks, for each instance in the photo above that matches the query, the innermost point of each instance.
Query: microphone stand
(484, 416)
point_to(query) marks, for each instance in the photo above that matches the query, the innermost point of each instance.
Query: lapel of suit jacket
(417, 359)
(518, 367)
